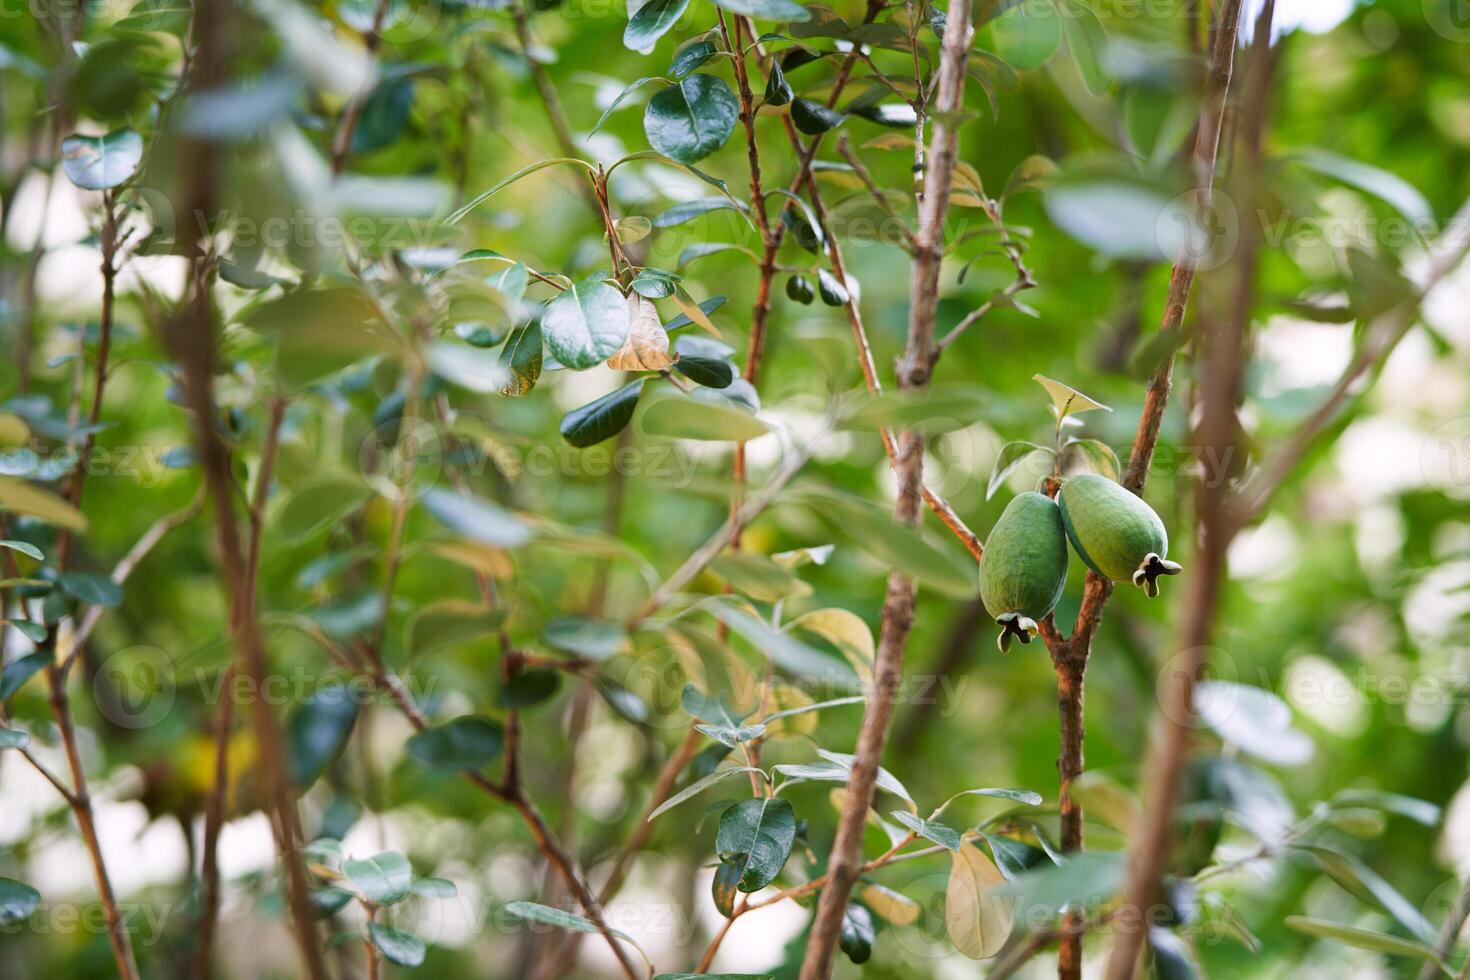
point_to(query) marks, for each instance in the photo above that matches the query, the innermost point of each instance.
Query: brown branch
(215, 804)
(352, 115)
(1221, 369)
(1070, 655)
(81, 805)
(843, 864)
(190, 337)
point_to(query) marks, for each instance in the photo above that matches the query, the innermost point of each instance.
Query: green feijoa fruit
(1024, 566)
(799, 288)
(834, 293)
(1115, 532)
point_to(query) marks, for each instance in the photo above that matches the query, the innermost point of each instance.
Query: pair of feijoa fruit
(1024, 566)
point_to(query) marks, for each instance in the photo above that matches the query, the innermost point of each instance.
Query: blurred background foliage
(1348, 599)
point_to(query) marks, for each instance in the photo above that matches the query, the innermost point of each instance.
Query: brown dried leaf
(647, 346)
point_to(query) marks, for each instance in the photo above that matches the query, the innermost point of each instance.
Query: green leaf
(857, 935)
(731, 737)
(837, 768)
(477, 519)
(1172, 958)
(686, 211)
(435, 887)
(1099, 456)
(30, 629)
(95, 590)
(692, 118)
(707, 371)
(778, 89)
(350, 614)
(756, 836)
(319, 503)
(1390, 188)
(933, 410)
(1014, 858)
(384, 879)
(521, 358)
(603, 418)
(941, 834)
(651, 22)
(708, 707)
(17, 672)
(449, 623)
(329, 901)
(397, 946)
(1362, 881)
(14, 738)
(17, 901)
(787, 652)
(384, 115)
(467, 742)
(758, 577)
(1253, 720)
(977, 919)
(695, 788)
(654, 283)
(1419, 811)
(1010, 458)
(547, 916)
(318, 730)
(1028, 35)
(1378, 942)
(898, 547)
(593, 639)
(586, 324)
(627, 91)
(768, 9)
(1067, 400)
(529, 688)
(479, 199)
(1088, 43)
(691, 56)
(681, 417)
(813, 117)
(99, 163)
(1081, 881)
(29, 550)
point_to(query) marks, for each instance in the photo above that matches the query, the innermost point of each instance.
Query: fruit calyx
(1149, 570)
(1014, 626)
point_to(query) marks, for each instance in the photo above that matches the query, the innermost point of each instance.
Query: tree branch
(843, 864)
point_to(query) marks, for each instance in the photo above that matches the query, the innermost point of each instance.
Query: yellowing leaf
(480, 558)
(783, 697)
(1105, 800)
(691, 309)
(889, 905)
(21, 497)
(978, 921)
(13, 430)
(647, 346)
(1067, 400)
(844, 630)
